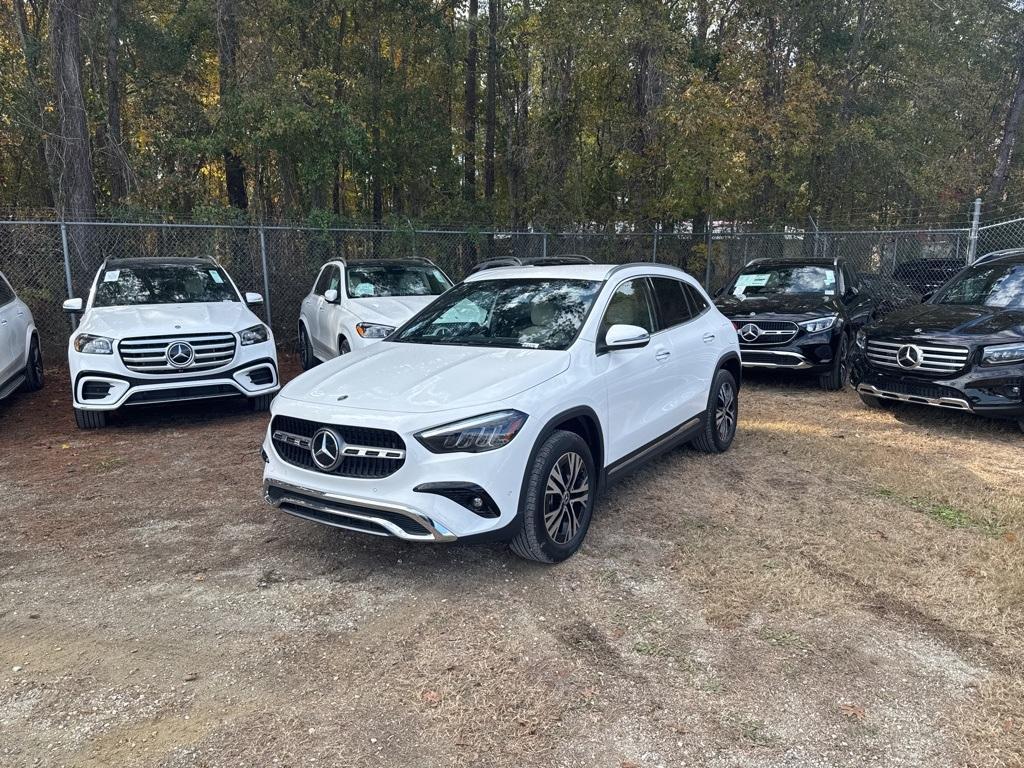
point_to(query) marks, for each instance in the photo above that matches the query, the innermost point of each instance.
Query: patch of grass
(783, 638)
(107, 465)
(949, 516)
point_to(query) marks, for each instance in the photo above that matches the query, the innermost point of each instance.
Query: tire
(34, 368)
(90, 419)
(1020, 423)
(564, 459)
(261, 403)
(874, 403)
(343, 346)
(306, 350)
(721, 417)
(836, 378)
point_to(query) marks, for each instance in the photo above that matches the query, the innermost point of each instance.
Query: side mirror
(253, 299)
(331, 296)
(74, 306)
(626, 337)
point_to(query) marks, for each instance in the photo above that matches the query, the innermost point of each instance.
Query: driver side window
(323, 281)
(629, 305)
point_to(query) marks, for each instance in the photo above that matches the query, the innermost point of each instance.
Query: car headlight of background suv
(88, 344)
(475, 435)
(255, 335)
(374, 330)
(818, 324)
(1001, 354)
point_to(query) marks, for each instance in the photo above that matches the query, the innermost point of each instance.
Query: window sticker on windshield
(111, 275)
(216, 277)
(749, 281)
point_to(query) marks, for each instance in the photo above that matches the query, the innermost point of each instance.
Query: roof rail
(993, 255)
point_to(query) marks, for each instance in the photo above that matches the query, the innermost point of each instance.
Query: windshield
(796, 278)
(163, 284)
(520, 314)
(996, 285)
(375, 280)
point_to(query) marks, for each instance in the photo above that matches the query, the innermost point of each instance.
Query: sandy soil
(844, 588)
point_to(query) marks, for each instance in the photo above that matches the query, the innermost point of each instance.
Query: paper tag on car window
(749, 281)
(216, 276)
(111, 275)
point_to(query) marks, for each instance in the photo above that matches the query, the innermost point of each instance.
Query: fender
(730, 357)
(29, 333)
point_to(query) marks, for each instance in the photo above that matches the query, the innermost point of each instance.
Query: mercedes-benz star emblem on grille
(180, 354)
(909, 356)
(326, 448)
(750, 332)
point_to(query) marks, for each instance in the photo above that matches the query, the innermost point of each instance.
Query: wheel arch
(731, 362)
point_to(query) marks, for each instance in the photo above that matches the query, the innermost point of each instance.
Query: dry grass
(844, 588)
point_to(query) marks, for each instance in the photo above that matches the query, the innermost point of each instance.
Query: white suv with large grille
(164, 331)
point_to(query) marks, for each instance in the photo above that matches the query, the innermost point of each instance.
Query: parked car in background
(165, 331)
(21, 359)
(502, 409)
(962, 349)
(798, 315)
(355, 303)
(530, 261)
(923, 276)
(892, 295)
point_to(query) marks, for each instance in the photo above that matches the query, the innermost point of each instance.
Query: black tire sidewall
(720, 379)
(553, 448)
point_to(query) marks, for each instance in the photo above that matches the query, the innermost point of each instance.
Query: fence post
(67, 270)
(972, 243)
(707, 255)
(266, 276)
(654, 253)
(544, 246)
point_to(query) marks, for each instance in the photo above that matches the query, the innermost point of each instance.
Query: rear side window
(697, 301)
(6, 294)
(673, 308)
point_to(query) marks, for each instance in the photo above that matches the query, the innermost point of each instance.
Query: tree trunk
(491, 116)
(227, 54)
(469, 115)
(117, 158)
(517, 118)
(1008, 143)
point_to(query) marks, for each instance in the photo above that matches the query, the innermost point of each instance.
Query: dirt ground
(844, 588)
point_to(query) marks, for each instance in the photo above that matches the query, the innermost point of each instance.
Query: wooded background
(555, 114)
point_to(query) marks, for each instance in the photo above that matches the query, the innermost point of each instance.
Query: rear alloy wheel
(34, 368)
(343, 346)
(90, 419)
(836, 378)
(305, 350)
(559, 500)
(720, 419)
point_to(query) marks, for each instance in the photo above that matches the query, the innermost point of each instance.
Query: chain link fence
(48, 261)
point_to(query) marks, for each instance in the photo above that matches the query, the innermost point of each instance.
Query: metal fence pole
(972, 243)
(544, 246)
(266, 276)
(73, 319)
(707, 256)
(654, 252)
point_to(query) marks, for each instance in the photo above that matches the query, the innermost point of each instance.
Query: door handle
(663, 355)
(708, 338)
(4, 321)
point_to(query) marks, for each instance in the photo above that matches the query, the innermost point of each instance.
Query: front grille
(149, 355)
(932, 359)
(378, 452)
(771, 331)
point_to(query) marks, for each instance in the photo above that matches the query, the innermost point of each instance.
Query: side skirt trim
(666, 442)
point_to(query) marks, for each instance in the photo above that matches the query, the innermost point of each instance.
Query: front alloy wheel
(566, 497)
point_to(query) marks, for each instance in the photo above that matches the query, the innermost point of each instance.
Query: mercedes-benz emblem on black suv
(750, 332)
(180, 354)
(325, 447)
(909, 356)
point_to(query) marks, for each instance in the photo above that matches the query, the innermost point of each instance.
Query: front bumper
(384, 505)
(812, 353)
(994, 391)
(102, 383)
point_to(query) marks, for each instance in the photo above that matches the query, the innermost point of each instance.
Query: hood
(168, 319)
(787, 305)
(953, 322)
(388, 310)
(423, 378)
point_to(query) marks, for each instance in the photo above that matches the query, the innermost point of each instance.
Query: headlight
(94, 345)
(255, 335)
(1003, 353)
(819, 324)
(373, 330)
(481, 433)
(862, 339)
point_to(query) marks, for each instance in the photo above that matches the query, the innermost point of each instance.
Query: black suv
(963, 348)
(799, 315)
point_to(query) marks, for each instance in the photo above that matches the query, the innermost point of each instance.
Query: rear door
(691, 355)
(705, 342)
(9, 352)
(640, 382)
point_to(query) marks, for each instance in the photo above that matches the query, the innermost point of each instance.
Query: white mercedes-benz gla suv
(357, 303)
(502, 409)
(167, 330)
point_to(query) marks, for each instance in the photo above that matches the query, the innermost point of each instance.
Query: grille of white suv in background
(200, 352)
(917, 358)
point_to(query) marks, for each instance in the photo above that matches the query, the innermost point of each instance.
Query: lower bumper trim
(954, 403)
(792, 361)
